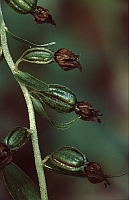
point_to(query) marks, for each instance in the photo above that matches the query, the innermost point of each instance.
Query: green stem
(35, 144)
(5, 49)
(34, 137)
(26, 41)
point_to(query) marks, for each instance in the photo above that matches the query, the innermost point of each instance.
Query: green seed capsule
(69, 158)
(22, 6)
(37, 55)
(66, 160)
(17, 138)
(58, 97)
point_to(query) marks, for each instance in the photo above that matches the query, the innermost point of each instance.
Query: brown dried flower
(95, 174)
(67, 60)
(41, 16)
(86, 112)
(5, 155)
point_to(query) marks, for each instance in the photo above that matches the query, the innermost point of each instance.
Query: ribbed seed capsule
(57, 97)
(17, 138)
(69, 158)
(37, 55)
(22, 6)
(66, 160)
(70, 161)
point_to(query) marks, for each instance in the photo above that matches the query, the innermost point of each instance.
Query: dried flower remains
(5, 155)
(95, 174)
(42, 15)
(67, 60)
(86, 112)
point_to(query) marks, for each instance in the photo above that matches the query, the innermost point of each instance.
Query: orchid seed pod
(40, 14)
(66, 160)
(22, 6)
(17, 138)
(57, 97)
(37, 55)
(69, 158)
(70, 161)
(38, 108)
(5, 155)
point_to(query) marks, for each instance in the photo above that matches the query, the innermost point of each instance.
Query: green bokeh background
(98, 32)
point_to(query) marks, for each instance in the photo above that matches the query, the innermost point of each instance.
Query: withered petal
(86, 112)
(41, 16)
(95, 174)
(5, 155)
(67, 60)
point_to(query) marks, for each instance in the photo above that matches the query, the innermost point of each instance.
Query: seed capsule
(66, 160)
(5, 155)
(38, 55)
(69, 161)
(22, 6)
(69, 158)
(17, 138)
(57, 97)
(40, 14)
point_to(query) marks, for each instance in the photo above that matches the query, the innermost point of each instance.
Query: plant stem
(34, 137)
(35, 144)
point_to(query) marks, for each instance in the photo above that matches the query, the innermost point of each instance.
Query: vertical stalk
(34, 137)
(35, 144)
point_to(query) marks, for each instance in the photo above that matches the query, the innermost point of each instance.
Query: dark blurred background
(98, 32)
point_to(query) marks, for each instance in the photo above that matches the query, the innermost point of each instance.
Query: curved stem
(5, 49)
(26, 41)
(35, 144)
(34, 137)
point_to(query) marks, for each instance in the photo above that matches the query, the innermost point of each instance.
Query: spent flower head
(67, 60)
(5, 155)
(95, 174)
(86, 111)
(42, 15)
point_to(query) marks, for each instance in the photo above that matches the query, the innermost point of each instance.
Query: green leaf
(40, 111)
(30, 81)
(19, 184)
